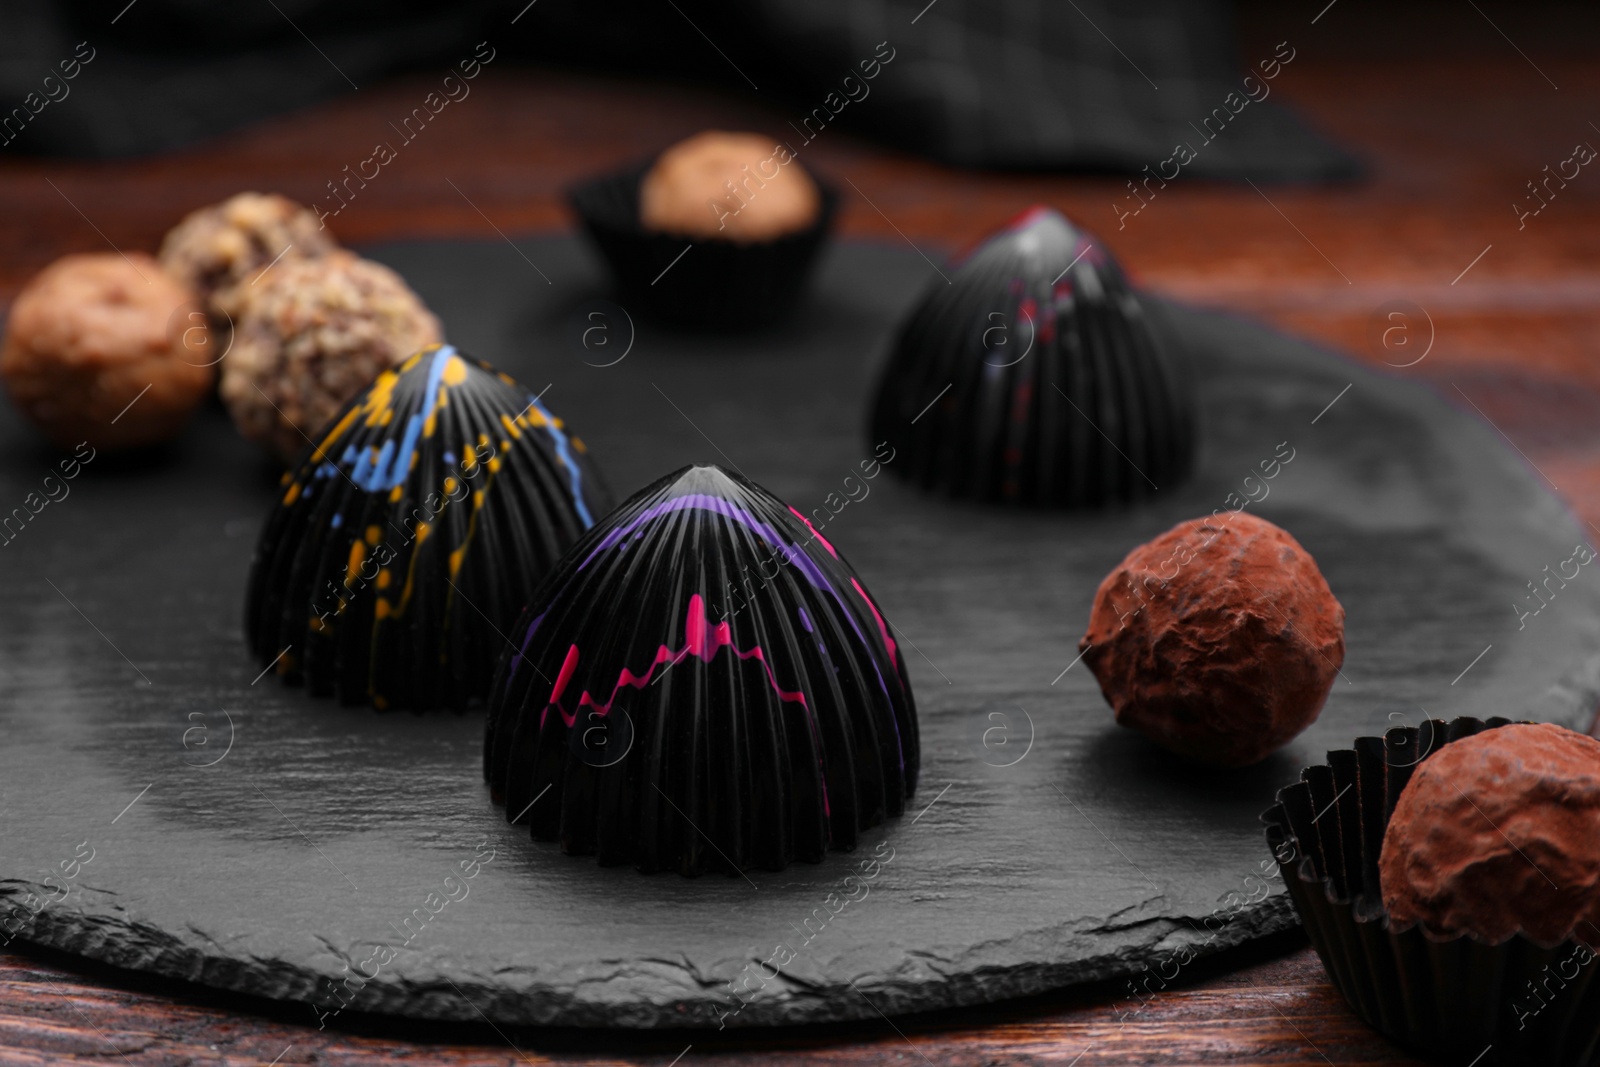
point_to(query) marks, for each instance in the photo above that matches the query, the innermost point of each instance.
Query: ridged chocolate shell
(1034, 377)
(704, 684)
(408, 540)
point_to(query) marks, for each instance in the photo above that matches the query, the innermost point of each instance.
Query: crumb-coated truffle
(1218, 640)
(312, 335)
(738, 187)
(221, 248)
(1500, 832)
(94, 353)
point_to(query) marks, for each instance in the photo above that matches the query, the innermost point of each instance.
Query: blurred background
(1392, 146)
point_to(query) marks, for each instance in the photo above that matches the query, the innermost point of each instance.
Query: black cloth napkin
(1103, 85)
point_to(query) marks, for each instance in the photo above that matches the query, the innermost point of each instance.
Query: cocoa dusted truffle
(309, 336)
(1499, 833)
(221, 249)
(738, 187)
(1218, 640)
(97, 349)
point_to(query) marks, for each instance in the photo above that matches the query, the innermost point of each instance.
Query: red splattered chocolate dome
(1218, 640)
(1497, 833)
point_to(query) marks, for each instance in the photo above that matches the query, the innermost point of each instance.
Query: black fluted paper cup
(1454, 999)
(703, 285)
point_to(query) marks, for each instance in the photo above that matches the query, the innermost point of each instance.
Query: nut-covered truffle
(219, 249)
(1218, 640)
(98, 349)
(312, 335)
(738, 187)
(1500, 832)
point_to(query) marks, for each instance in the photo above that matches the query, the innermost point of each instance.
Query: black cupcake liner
(703, 285)
(1457, 999)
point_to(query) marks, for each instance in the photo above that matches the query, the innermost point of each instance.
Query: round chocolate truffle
(310, 336)
(1500, 832)
(94, 352)
(1218, 640)
(738, 187)
(217, 250)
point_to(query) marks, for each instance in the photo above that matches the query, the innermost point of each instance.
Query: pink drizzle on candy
(824, 541)
(701, 639)
(882, 628)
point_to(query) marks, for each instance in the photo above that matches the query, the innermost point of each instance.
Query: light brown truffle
(738, 187)
(99, 348)
(1218, 640)
(221, 249)
(1500, 832)
(310, 336)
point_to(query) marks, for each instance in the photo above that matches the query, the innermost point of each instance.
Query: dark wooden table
(1513, 314)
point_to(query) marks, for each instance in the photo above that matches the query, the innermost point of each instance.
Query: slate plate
(243, 835)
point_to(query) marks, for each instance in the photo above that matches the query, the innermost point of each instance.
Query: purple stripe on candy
(722, 507)
(899, 745)
(701, 501)
(527, 639)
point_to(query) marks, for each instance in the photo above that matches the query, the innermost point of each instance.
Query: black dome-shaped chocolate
(1034, 378)
(703, 684)
(408, 540)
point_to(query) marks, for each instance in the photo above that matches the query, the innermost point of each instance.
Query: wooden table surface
(1512, 312)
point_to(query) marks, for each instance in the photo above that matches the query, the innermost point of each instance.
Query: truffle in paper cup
(700, 284)
(1458, 999)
